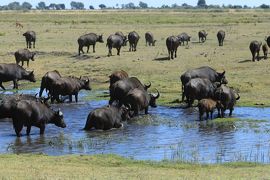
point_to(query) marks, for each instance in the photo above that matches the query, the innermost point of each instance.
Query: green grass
(57, 33)
(115, 167)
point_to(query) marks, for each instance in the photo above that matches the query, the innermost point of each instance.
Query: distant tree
(41, 5)
(26, 5)
(102, 6)
(91, 7)
(175, 5)
(237, 7)
(52, 6)
(164, 6)
(143, 5)
(201, 3)
(62, 6)
(264, 6)
(245, 7)
(14, 6)
(76, 5)
(129, 6)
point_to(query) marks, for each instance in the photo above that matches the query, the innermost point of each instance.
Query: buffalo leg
(175, 53)
(211, 113)
(258, 56)
(76, 97)
(42, 129)
(207, 115)
(231, 110)
(28, 130)
(146, 110)
(27, 63)
(172, 55)
(34, 43)
(30, 45)
(15, 84)
(70, 98)
(18, 126)
(118, 51)
(22, 63)
(87, 49)
(201, 116)
(1, 85)
(94, 50)
(253, 57)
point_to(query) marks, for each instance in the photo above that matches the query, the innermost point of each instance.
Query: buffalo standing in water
(14, 72)
(116, 76)
(47, 81)
(88, 40)
(221, 37)
(255, 47)
(172, 44)
(30, 36)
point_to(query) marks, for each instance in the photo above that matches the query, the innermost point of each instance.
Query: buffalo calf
(206, 106)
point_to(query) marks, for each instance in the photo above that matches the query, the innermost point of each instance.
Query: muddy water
(166, 133)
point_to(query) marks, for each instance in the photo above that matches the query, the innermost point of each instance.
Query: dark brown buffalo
(69, 86)
(268, 41)
(202, 36)
(221, 37)
(184, 37)
(228, 97)
(120, 88)
(265, 50)
(33, 113)
(30, 36)
(117, 75)
(24, 55)
(88, 40)
(115, 41)
(139, 100)
(119, 33)
(14, 72)
(199, 88)
(255, 48)
(106, 118)
(207, 106)
(202, 72)
(47, 81)
(133, 38)
(149, 39)
(172, 44)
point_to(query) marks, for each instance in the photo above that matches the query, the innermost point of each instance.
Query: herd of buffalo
(128, 95)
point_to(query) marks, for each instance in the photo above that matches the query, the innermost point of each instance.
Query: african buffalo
(199, 88)
(202, 36)
(115, 41)
(139, 100)
(227, 96)
(268, 41)
(32, 113)
(119, 33)
(88, 40)
(47, 81)
(120, 88)
(220, 37)
(69, 86)
(106, 118)
(202, 72)
(206, 106)
(30, 36)
(265, 50)
(24, 55)
(255, 48)
(149, 39)
(172, 44)
(14, 72)
(117, 75)
(184, 37)
(133, 38)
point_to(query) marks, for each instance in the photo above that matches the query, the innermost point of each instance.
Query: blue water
(166, 133)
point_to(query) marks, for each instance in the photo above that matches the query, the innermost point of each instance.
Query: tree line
(142, 5)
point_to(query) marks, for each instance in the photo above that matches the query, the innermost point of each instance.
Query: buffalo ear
(32, 72)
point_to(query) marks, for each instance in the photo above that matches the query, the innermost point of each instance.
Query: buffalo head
(125, 112)
(31, 76)
(32, 56)
(153, 99)
(100, 39)
(221, 78)
(59, 119)
(86, 83)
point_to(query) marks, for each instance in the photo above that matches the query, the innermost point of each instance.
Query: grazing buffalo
(172, 44)
(139, 100)
(220, 37)
(88, 40)
(119, 33)
(115, 41)
(227, 97)
(68, 86)
(149, 39)
(9, 101)
(33, 113)
(14, 72)
(120, 88)
(106, 118)
(133, 38)
(24, 55)
(268, 41)
(255, 47)
(30, 36)
(47, 81)
(184, 37)
(206, 106)
(202, 36)
(202, 72)
(116, 76)
(265, 50)
(199, 88)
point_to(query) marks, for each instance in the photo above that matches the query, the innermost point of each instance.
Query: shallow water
(166, 133)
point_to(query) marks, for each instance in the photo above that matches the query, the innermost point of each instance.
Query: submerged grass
(111, 166)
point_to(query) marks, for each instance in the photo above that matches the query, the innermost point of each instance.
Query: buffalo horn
(157, 96)
(148, 86)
